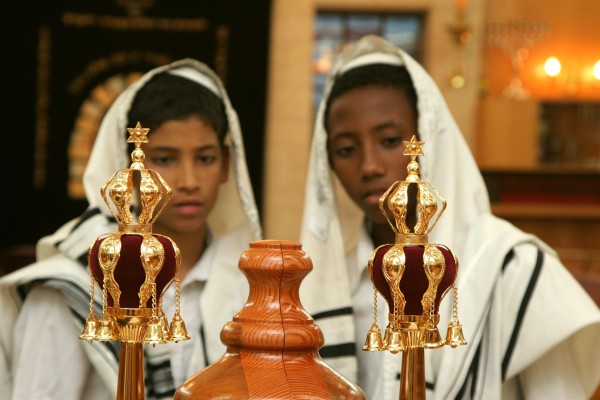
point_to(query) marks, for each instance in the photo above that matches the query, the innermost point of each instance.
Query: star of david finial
(413, 148)
(138, 134)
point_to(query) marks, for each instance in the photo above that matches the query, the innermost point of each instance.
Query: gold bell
(154, 334)
(455, 337)
(386, 336)
(177, 331)
(106, 329)
(432, 338)
(395, 342)
(164, 324)
(89, 330)
(374, 341)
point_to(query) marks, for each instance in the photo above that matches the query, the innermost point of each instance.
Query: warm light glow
(597, 70)
(552, 66)
(461, 4)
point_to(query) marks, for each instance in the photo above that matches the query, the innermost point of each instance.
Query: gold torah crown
(411, 274)
(396, 199)
(134, 266)
(152, 188)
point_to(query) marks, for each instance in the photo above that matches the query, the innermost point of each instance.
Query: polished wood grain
(272, 342)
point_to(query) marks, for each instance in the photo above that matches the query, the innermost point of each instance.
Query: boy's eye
(162, 160)
(345, 151)
(392, 141)
(207, 159)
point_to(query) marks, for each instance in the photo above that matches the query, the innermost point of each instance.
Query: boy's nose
(372, 165)
(187, 177)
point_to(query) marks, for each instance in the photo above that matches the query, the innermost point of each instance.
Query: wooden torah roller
(272, 342)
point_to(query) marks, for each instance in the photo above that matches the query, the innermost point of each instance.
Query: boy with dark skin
(524, 340)
(366, 130)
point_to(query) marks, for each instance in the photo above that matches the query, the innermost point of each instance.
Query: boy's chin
(181, 228)
(376, 217)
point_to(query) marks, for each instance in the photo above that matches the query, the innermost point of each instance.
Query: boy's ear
(225, 166)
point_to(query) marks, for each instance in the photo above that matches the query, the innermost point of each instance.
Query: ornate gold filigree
(108, 256)
(152, 254)
(406, 332)
(142, 324)
(150, 195)
(393, 266)
(434, 265)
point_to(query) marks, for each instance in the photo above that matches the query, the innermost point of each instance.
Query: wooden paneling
(510, 133)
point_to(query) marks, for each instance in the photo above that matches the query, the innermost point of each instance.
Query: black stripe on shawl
(521, 314)
(428, 385)
(58, 284)
(65, 286)
(159, 381)
(338, 350)
(473, 371)
(83, 259)
(203, 343)
(87, 214)
(333, 313)
(159, 375)
(471, 375)
(112, 347)
(509, 256)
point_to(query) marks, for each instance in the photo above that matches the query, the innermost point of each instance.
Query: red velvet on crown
(129, 271)
(414, 282)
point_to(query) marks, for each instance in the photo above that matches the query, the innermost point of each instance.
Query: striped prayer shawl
(474, 365)
(331, 351)
(63, 256)
(74, 287)
(473, 382)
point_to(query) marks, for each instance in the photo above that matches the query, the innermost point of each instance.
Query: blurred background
(522, 79)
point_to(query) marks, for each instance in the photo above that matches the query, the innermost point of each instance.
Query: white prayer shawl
(518, 305)
(62, 257)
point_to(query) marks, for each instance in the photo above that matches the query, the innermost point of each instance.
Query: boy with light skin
(187, 150)
(195, 144)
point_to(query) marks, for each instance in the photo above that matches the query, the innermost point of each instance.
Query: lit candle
(552, 66)
(597, 70)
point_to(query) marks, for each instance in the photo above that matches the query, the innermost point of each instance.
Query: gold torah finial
(134, 267)
(413, 148)
(138, 135)
(127, 263)
(413, 313)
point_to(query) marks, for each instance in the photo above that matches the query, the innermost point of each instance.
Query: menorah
(516, 38)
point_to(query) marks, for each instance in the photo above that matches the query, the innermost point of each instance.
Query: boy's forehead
(190, 132)
(370, 108)
(354, 102)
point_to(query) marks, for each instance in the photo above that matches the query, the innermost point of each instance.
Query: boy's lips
(188, 207)
(372, 197)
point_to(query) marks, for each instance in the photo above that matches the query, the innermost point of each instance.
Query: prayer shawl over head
(531, 329)
(62, 257)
